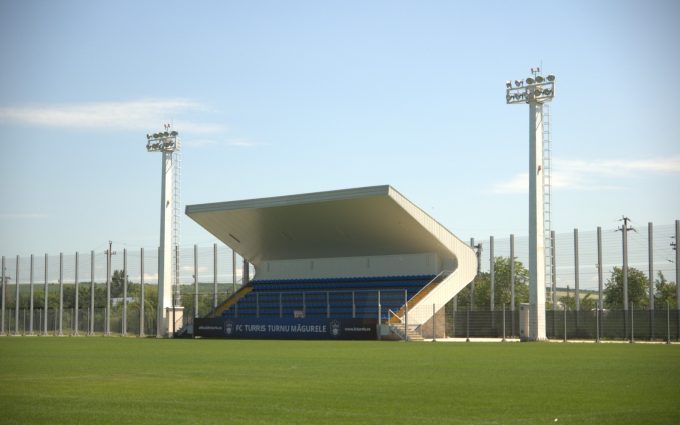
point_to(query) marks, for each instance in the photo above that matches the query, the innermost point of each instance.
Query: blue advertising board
(286, 328)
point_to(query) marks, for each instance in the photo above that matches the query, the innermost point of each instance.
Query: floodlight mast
(535, 91)
(165, 142)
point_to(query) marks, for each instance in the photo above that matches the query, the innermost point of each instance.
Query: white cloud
(618, 167)
(198, 143)
(591, 175)
(22, 216)
(517, 184)
(241, 142)
(234, 142)
(130, 115)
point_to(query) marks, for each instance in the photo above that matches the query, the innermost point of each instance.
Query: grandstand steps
(412, 333)
(233, 299)
(397, 317)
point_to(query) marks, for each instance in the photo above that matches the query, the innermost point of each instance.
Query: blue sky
(274, 98)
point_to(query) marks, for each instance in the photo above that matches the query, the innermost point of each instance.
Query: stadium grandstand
(360, 263)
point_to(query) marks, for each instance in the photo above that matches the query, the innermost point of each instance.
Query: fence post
(597, 325)
(632, 325)
(16, 301)
(196, 282)
(107, 319)
(45, 306)
(650, 262)
(123, 326)
(677, 276)
(492, 284)
(61, 294)
(75, 322)
(233, 272)
(668, 323)
(30, 319)
(405, 315)
(141, 292)
(467, 325)
(503, 322)
(577, 285)
(565, 323)
(512, 284)
(434, 324)
(2, 310)
(91, 293)
(379, 312)
(214, 276)
(453, 315)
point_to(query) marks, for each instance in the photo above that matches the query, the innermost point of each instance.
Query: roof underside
(344, 223)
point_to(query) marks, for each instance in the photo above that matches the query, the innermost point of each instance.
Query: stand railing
(409, 304)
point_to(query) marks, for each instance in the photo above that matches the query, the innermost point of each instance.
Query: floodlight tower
(535, 91)
(168, 144)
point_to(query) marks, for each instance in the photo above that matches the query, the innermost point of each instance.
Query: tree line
(84, 294)
(665, 292)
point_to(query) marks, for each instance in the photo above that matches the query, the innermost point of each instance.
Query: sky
(276, 98)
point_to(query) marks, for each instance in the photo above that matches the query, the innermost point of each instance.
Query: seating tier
(319, 298)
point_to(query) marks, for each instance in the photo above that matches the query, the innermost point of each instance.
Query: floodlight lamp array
(536, 89)
(164, 141)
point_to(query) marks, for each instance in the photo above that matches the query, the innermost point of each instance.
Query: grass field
(126, 380)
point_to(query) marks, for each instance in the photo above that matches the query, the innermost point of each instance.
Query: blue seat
(272, 298)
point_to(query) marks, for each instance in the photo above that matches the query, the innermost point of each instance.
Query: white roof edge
(281, 201)
(424, 217)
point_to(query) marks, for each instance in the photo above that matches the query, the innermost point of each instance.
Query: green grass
(127, 380)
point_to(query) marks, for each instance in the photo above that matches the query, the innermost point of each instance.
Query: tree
(666, 292)
(638, 288)
(117, 282)
(586, 303)
(502, 289)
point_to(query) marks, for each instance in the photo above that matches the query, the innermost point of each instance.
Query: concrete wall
(439, 328)
(371, 266)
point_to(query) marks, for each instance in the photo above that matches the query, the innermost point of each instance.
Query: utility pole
(677, 274)
(109, 252)
(2, 310)
(492, 283)
(624, 233)
(650, 261)
(599, 282)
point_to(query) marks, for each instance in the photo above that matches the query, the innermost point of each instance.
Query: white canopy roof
(366, 221)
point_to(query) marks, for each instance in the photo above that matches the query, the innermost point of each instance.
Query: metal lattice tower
(547, 226)
(176, 210)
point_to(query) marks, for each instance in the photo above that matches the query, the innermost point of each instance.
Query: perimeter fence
(101, 292)
(660, 324)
